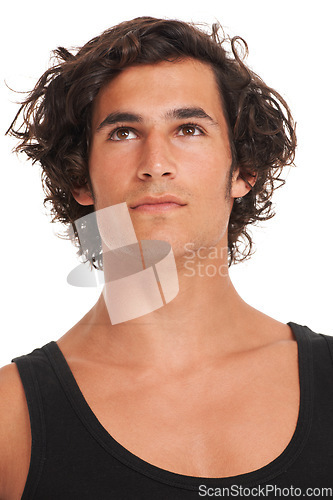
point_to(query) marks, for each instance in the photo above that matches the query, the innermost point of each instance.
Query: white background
(290, 275)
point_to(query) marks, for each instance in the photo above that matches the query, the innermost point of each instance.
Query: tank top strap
(25, 365)
(329, 342)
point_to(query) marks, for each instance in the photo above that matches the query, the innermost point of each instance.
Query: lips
(156, 200)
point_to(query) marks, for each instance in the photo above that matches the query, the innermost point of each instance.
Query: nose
(156, 158)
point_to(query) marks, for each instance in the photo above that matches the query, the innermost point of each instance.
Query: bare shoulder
(15, 434)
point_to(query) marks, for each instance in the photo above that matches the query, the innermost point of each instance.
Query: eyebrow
(173, 114)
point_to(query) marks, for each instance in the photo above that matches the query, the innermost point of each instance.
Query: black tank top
(74, 457)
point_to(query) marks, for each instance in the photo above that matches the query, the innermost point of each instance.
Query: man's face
(172, 139)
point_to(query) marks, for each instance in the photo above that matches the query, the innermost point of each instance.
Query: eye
(190, 129)
(121, 134)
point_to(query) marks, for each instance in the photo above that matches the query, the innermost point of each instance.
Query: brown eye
(188, 130)
(122, 133)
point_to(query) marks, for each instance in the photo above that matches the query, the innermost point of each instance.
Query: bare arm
(15, 434)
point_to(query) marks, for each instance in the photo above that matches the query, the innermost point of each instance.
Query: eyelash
(194, 125)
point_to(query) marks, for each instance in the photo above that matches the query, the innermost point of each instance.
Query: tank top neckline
(253, 478)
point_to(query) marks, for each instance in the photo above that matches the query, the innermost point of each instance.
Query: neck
(199, 324)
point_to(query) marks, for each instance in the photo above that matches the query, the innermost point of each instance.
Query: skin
(184, 368)
(208, 336)
(157, 156)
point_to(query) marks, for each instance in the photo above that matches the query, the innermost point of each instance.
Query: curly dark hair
(53, 124)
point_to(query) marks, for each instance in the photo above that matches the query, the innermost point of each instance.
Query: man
(205, 392)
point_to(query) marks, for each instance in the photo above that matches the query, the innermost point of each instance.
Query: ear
(242, 183)
(83, 195)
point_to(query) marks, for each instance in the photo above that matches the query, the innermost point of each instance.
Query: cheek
(213, 163)
(212, 178)
(108, 173)
(212, 187)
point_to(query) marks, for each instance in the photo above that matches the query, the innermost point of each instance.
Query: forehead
(152, 89)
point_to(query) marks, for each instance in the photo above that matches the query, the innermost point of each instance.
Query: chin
(157, 235)
(174, 238)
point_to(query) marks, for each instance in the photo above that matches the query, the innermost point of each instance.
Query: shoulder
(313, 336)
(316, 348)
(15, 434)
